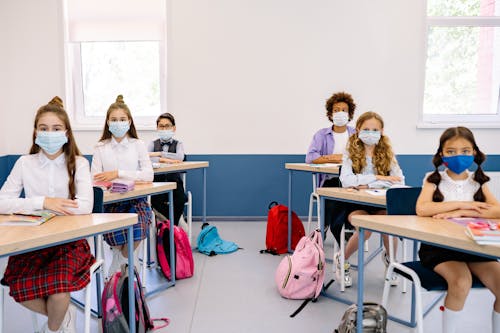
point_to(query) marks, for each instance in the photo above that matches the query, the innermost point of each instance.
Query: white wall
(247, 77)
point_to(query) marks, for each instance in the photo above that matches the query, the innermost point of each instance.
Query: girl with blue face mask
(120, 154)
(53, 176)
(458, 192)
(370, 163)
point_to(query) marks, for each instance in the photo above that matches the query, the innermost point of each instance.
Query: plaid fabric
(143, 210)
(54, 270)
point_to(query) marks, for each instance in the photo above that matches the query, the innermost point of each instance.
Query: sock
(450, 320)
(495, 318)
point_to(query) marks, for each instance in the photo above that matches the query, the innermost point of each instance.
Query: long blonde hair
(383, 157)
(70, 148)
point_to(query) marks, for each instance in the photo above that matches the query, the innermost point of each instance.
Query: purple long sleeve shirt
(322, 144)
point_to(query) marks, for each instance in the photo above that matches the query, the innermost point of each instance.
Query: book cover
(32, 219)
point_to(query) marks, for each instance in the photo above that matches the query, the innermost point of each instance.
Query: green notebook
(35, 218)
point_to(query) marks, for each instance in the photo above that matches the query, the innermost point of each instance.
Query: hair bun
(119, 99)
(57, 101)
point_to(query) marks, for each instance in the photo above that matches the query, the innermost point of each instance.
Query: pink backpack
(301, 275)
(184, 263)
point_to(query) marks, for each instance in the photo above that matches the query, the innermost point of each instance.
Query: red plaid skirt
(54, 270)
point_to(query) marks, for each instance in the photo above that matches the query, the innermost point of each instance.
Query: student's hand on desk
(60, 205)
(457, 213)
(106, 176)
(474, 206)
(155, 154)
(168, 160)
(391, 179)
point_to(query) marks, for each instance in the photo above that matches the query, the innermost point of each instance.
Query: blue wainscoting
(244, 185)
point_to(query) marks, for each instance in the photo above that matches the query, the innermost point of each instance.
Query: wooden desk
(425, 229)
(144, 190)
(184, 166)
(352, 196)
(327, 168)
(65, 229)
(139, 191)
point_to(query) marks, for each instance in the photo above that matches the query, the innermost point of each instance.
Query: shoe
(69, 323)
(394, 277)
(347, 272)
(116, 262)
(183, 224)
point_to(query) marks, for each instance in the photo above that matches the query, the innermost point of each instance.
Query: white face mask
(370, 138)
(165, 135)
(340, 118)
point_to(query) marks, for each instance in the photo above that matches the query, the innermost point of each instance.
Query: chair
(189, 208)
(402, 201)
(313, 198)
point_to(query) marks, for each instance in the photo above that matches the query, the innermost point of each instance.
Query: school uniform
(452, 190)
(173, 149)
(327, 142)
(131, 160)
(58, 269)
(367, 177)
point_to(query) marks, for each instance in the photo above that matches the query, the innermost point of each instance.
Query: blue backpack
(210, 243)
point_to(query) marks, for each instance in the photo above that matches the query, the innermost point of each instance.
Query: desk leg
(204, 203)
(131, 277)
(322, 220)
(290, 211)
(171, 234)
(359, 314)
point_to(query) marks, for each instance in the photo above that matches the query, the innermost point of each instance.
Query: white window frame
(450, 120)
(74, 85)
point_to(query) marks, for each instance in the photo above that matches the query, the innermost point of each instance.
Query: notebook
(32, 219)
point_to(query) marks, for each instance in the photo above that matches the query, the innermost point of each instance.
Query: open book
(34, 218)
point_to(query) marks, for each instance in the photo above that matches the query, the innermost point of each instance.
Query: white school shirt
(41, 177)
(456, 190)
(340, 140)
(129, 157)
(367, 177)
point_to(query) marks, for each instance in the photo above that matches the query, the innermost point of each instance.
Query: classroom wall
(247, 82)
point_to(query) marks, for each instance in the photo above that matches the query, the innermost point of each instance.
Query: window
(111, 48)
(462, 76)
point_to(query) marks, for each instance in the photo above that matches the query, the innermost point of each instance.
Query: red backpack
(183, 256)
(277, 229)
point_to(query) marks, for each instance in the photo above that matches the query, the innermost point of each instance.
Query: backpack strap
(272, 204)
(166, 322)
(314, 299)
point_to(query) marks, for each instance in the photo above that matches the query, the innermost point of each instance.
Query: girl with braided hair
(458, 192)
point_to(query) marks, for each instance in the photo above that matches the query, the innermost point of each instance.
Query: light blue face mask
(370, 138)
(165, 135)
(118, 128)
(51, 142)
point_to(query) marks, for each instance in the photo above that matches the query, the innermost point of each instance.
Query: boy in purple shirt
(328, 146)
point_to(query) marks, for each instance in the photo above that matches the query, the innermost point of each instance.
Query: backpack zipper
(288, 273)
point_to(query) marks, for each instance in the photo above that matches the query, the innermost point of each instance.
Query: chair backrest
(98, 200)
(402, 200)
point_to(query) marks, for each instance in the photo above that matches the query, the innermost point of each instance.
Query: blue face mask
(118, 128)
(165, 135)
(369, 138)
(458, 163)
(51, 142)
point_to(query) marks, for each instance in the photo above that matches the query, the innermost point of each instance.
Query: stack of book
(483, 231)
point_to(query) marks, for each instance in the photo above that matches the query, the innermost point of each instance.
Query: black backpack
(374, 319)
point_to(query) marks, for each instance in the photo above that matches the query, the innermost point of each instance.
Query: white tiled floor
(236, 293)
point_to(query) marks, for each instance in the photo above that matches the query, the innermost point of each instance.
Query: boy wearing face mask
(328, 146)
(369, 163)
(166, 149)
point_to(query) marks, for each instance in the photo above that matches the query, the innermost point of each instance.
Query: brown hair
(166, 115)
(437, 160)
(70, 148)
(337, 98)
(383, 156)
(117, 105)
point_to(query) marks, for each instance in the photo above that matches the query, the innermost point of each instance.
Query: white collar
(44, 160)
